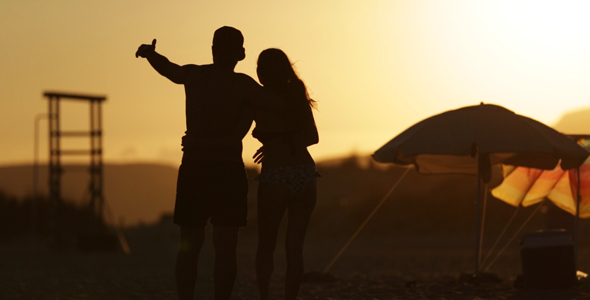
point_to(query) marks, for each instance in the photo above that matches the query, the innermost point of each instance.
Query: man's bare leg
(225, 240)
(191, 242)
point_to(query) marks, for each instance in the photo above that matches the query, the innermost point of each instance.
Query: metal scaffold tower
(95, 151)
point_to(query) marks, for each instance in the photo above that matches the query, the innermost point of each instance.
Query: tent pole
(366, 221)
(489, 254)
(514, 236)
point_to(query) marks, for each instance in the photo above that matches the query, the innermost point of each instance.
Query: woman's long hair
(276, 72)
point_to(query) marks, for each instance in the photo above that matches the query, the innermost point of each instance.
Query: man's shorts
(215, 190)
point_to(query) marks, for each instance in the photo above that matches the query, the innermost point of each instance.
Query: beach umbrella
(471, 139)
(524, 186)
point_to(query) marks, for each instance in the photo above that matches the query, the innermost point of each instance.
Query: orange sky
(375, 67)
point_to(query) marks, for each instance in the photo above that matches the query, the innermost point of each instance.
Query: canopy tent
(528, 186)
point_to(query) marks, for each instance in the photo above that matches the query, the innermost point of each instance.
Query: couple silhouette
(221, 106)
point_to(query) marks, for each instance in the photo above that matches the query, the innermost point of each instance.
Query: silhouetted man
(212, 183)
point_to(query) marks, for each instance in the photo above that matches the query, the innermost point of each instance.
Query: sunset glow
(375, 67)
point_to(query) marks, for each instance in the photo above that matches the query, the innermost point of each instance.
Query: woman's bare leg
(271, 208)
(299, 214)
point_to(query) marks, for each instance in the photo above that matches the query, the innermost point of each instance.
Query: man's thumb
(154, 43)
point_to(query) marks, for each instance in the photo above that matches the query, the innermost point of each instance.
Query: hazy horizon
(571, 122)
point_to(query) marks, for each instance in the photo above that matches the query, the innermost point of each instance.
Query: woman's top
(285, 136)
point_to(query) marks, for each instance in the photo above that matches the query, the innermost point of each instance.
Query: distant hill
(134, 192)
(574, 122)
(347, 192)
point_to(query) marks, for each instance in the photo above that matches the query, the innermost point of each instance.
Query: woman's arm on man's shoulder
(259, 96)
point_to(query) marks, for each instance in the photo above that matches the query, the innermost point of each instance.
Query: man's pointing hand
(144, 49)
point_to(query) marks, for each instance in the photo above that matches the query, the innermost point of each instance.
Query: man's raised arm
(161, 64)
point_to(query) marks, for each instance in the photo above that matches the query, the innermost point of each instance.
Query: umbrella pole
(577, 224)
(484, 173)
(478, 226)
(482, 225)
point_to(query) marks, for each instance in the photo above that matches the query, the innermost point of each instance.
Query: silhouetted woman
(287, 182)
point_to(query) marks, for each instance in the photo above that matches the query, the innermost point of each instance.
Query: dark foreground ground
(385, 267)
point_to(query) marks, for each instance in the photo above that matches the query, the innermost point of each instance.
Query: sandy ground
(391, 267)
